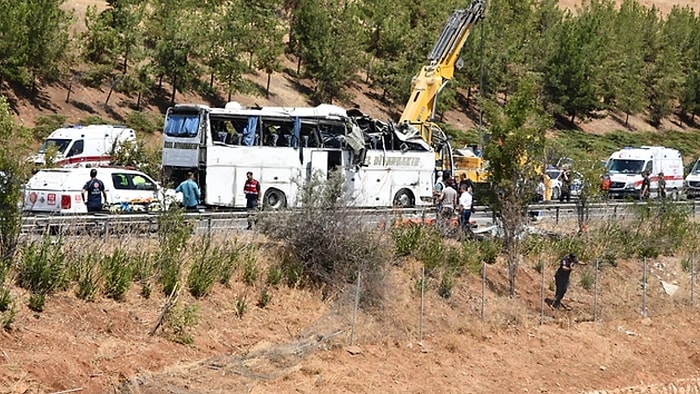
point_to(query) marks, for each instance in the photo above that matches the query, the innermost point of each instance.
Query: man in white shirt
(465, 207)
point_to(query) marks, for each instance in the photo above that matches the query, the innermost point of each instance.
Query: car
(576, 181)
(59, 191)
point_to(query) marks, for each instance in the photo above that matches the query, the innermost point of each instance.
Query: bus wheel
(403, 199)
(274, 199)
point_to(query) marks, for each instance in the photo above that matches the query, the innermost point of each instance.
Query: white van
(625, 168)
(85, 146)
(58, 191)
(692, 181)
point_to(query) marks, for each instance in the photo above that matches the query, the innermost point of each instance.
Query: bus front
(182, 139)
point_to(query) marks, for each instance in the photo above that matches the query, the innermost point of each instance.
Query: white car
(575, 186)
(58, 191)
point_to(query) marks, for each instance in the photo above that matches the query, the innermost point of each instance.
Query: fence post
(644, 288)
(542, 294)
(354, 313)
(595, 290)
(107, 227)
(209, 228)
(692, 279)
(483, 289)
(557, 220)
(422, 304)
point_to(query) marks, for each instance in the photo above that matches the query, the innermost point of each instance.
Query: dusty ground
(300, 344)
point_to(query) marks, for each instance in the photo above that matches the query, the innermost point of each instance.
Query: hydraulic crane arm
(443, 59)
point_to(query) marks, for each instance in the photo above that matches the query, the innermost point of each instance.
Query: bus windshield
(59, 144)
(182, 125)
(622, 166)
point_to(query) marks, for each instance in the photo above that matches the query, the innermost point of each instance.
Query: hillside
(305, 342)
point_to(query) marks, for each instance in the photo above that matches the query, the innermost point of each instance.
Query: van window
(76, 149)
(60, 144)
(132, 182)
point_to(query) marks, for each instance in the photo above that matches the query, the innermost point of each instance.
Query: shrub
(174, 231)
(446, 284)
(87, 275)
(250, 267)
(182, 321)
(42, 268)
(586, 280)
(265, 298)
(431, 250)
(44, 125)
(36, 302)
(229, 261)
(274, 275)
(490, 249)
(205, 269)
(324, 244)
(146, 122)
(241, 306)
(118, 272)
(405, 238)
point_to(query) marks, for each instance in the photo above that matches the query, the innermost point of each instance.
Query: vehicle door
(132, 188)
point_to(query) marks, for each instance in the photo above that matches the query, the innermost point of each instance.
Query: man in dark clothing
(565, 178)
(94, 192)
(646, 184)
(561, 278)
(252, 196)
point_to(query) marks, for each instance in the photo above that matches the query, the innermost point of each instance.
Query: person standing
(561, 278)
(438, 187)
(565, 178)
(190, 192)
(448, 202)
(94, 193)
(662, 185)
(465, 208)
(646, 184)
(252, 196)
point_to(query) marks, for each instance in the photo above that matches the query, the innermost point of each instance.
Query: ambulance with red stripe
(84, 146)
(626, 166)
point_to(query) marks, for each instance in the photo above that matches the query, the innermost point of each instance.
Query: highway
(217, 222)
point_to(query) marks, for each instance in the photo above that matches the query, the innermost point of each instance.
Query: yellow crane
(417, 118)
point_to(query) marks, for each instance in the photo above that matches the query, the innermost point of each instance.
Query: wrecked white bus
(283, 147)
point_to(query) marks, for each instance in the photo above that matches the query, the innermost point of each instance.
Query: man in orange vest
(252, 196)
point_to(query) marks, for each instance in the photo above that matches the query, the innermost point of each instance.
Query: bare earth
(299, 344)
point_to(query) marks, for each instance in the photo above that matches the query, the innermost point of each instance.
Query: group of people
(646, 185)
(452, 196)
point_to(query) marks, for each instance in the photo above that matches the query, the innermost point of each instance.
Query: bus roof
(327, 111)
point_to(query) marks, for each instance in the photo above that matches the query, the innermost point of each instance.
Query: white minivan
(58, 191)
(692, 182)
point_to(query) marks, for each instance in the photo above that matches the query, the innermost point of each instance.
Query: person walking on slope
(190, 192)
(251, 189)
(561, 278)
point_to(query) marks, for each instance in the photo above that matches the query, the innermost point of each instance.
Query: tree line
(628, 58)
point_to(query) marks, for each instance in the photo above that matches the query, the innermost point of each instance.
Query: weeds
(586, 281)
(240, 306)
(265, 298)
(118, 273)
(42, 270)
(229, 261)
(173, 233)
(182, 321)
(250, 267)
(205, 269)
(274, 275)
(405, 238)
(87, 275)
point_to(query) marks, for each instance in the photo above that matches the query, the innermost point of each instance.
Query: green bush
(274, 275)
(587, 280)
(44, 125)
(431, 250)
(36, 302)
(118, 272)
(174, 232)
(265, 298)
(204, 271)
(146, 122)
(250, 267)
(490, 249)
(446, 284)
(406, 238)
(182, 321)
(229, 262)
(42, 268)
(87, 275)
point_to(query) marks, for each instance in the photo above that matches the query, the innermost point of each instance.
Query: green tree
(13, 175)
(515, 153)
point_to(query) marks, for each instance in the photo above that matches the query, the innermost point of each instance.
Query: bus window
(309, 136)
(182, 125)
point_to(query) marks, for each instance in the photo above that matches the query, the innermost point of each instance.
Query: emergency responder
(252, 196)
(561, 278)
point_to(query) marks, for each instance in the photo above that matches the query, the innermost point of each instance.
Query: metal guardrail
(148, 222)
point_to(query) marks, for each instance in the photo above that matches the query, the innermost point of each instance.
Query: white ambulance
(625, 168)
(59, 191)
(692, 181)
(84, 146)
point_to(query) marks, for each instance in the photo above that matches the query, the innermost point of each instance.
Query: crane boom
(443, 59)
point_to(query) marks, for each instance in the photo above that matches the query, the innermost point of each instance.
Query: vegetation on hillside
(630, 59)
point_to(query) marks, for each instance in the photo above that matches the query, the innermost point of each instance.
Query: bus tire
(404, 199)
(274, 199)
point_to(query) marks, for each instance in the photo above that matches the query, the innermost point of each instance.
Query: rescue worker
(94, 193)
(252, 196)
(561, 278)
(662, 185)
(646, 184)
(437, 191)
(465, 208)
(448, 202)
